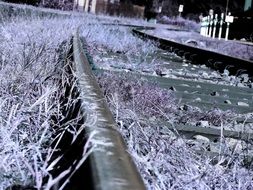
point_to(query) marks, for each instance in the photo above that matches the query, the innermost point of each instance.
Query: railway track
(187, 94)
(113, 167)
(204, 95)
(197, 55)
(110, 166)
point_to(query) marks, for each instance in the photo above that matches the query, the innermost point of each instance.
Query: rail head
(110, 163)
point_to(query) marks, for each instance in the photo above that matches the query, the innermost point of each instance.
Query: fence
(213, 25)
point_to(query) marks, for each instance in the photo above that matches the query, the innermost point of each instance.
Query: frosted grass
(30, 72)
(31, 69)
(165, 159)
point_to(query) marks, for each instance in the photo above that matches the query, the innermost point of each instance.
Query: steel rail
(201, 56)
(111, 164)
(190, 131)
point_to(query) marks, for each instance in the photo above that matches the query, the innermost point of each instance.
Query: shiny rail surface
(110, 163)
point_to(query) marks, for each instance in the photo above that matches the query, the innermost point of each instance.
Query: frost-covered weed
(148, 100)
(144, 99)
(30, 95)
(103, 41)
(165, 159)
(31, 69)
(169, 162)
(115, 39)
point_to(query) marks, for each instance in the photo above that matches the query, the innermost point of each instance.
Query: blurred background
(161, 10)
(192, 8)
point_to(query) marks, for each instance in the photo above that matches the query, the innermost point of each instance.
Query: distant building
(111, 7)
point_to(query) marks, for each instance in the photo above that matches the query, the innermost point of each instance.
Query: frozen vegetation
(148, 100)
(138, 108)
(32, 54)
(165, 159)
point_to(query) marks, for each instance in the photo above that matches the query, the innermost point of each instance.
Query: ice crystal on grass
(144, 99)
(115, 39)
(149, 100)
(164, 158)
(167, 162)
(32, 55)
